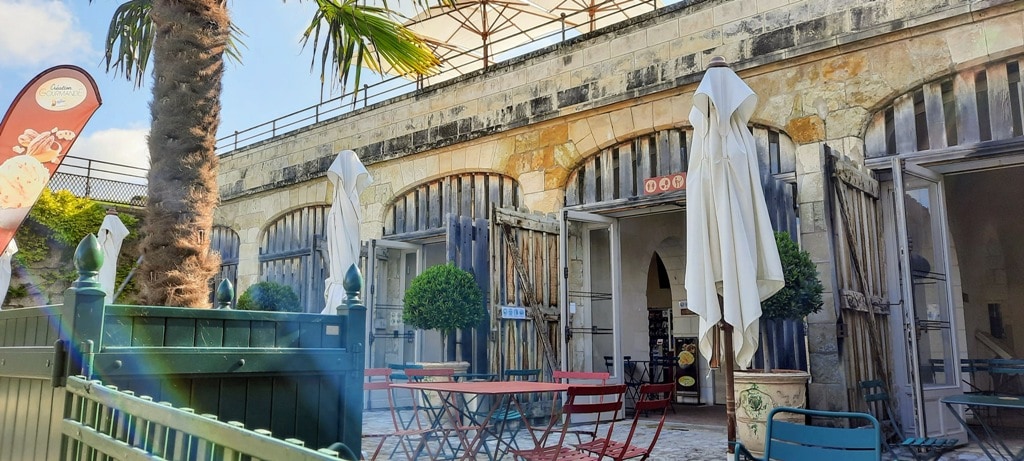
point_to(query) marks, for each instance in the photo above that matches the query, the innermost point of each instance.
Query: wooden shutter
(863, 313)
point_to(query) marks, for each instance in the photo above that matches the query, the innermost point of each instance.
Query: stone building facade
(830, 75)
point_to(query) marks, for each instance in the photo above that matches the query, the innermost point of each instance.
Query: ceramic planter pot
(757, 393)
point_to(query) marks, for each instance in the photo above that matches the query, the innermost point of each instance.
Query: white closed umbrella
(350, 178)
(732, 261)
(5, 269)
(111, 234)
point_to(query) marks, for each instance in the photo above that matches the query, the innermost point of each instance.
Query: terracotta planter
(757, 393)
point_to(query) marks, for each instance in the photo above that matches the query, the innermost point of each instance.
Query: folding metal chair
(653, 398)
(633, 375)
(920, 448)
(412, 436)
(580, 377)
(600, 403)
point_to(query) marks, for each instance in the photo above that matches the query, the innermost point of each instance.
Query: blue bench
(794, 442)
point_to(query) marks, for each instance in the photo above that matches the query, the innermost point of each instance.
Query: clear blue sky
(273, 79)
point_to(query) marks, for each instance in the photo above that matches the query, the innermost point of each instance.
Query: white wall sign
(513, 313)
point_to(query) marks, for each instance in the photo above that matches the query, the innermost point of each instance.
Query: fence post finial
(88, 260)
(225, 294)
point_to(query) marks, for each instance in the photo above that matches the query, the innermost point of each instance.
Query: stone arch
(672, 252)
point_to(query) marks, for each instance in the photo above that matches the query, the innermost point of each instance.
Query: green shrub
(269, 296)
(443, 298)
(56, 224)
(802, 294)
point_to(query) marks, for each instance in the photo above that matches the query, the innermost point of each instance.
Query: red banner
(36, 133)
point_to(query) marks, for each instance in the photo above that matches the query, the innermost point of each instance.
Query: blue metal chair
(920, 448)
(792, 441)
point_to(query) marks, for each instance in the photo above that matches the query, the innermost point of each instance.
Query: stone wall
(820, 67)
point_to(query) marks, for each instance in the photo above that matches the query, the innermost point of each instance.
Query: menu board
(687, 367)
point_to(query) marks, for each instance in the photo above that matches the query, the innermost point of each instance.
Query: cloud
(38, 32)
(114, 147)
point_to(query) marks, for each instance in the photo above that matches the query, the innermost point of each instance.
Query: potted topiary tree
(269, 296)
(758, 391)
(443, 298)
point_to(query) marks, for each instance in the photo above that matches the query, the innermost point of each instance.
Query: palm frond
(130, 40)
(360, 35)
(233, 52)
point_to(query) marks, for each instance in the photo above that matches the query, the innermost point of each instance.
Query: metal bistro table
(504, 393)
(976, 401)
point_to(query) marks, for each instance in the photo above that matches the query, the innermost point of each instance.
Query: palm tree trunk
(188, 64)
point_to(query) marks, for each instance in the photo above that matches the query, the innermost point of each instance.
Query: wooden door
(524, 274)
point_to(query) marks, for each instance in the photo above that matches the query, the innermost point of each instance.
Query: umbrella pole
(730, 398)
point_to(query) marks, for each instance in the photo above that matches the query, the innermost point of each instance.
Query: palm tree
(188, 40)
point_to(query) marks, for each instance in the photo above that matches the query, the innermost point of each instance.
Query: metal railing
(395, 86)
(102, 181)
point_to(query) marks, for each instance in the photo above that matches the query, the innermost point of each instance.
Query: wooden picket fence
(105, 423)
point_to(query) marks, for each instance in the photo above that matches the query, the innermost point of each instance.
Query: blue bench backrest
(789, 441)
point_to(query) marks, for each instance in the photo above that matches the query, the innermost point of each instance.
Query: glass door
(391, 266)
(590, 290)
(927, 303)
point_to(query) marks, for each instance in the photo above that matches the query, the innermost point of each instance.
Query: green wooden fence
(298, 376)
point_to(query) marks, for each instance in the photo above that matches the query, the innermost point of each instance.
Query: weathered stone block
(696, 21)
(626, 44)
(827, 396)
(743, 28)
(622, 124)
(821, 338)
(826, 368)
(806, 129)
(664, 32)
(733, 10)
(601, 129)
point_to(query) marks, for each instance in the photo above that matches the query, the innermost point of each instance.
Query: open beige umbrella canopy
(490, 26)
(732, 261)
(350, 178)
(590, 15)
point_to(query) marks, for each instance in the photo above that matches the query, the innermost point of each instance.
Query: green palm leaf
(347, 34)
(130, 35)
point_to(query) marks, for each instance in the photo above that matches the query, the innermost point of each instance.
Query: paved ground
(691, 433)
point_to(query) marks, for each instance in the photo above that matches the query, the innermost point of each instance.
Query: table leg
(989, 434)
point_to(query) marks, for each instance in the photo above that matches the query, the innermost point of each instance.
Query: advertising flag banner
(36, 133)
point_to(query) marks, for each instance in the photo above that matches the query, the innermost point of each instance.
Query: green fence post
(355, 313)
(85, 303)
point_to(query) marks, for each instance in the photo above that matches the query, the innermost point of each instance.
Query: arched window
(617, 173)
(293, 253)
(422, 210)
(975, 105)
